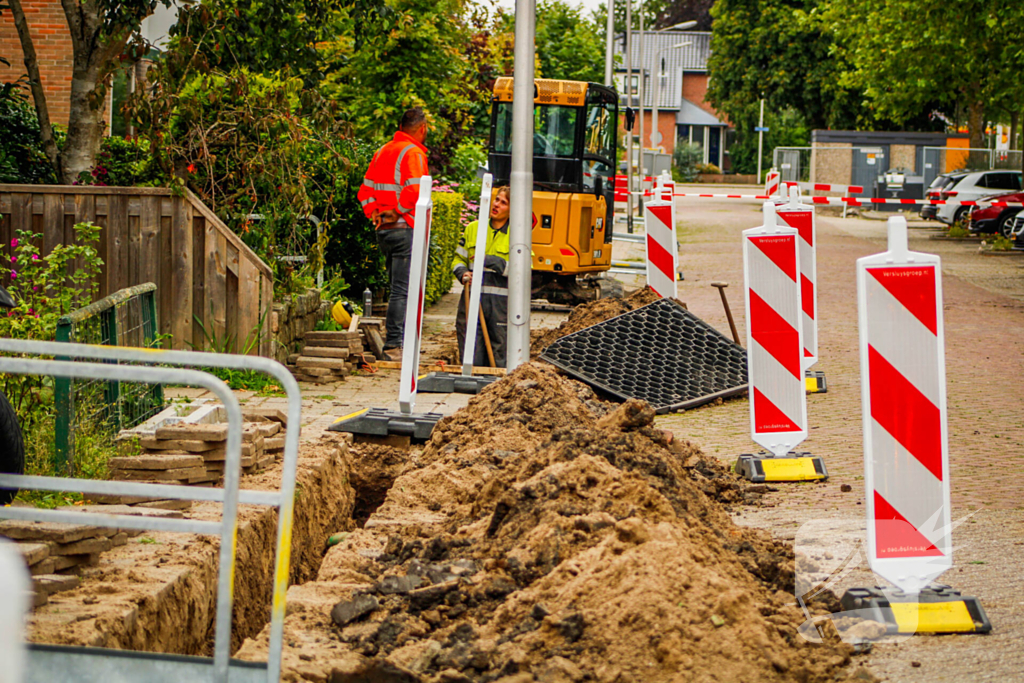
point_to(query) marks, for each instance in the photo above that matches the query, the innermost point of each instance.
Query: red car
(996, 219)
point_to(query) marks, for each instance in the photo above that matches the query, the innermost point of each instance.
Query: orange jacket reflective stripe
(392, 182)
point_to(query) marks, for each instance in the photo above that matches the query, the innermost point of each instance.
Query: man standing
(388, 197)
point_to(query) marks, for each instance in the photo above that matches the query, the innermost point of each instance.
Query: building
(679, 92)
(48, 26)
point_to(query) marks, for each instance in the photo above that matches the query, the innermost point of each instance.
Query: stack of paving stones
(195, 454)
(371, 333)
(57, 554)
(326, 357)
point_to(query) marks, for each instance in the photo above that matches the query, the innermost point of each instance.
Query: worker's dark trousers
(495, 309)
(396, 245)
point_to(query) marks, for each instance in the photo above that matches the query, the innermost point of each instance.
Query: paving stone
(47, 531)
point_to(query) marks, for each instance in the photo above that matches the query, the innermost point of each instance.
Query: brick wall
(49, 29)
(695, 89)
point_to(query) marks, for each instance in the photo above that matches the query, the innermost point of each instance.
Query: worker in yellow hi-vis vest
(494, 296)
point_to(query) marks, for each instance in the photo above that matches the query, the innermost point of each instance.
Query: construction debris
(326, 357)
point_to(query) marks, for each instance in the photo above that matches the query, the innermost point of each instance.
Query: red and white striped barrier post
(417, 295)
(771, 183)
(778, 402)
(665, 187)
(903, 393)
(662, 249)
(801, 218)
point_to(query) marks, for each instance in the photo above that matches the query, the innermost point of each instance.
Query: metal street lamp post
(640, 49)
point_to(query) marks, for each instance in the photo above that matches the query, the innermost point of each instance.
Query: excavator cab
(575, 132)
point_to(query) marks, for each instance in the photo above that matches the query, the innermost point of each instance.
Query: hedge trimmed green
(445, 230)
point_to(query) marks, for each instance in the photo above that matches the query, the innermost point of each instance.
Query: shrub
(445, 230)
(685, 161)
(21, 156)
(709, 169)
(124, 162)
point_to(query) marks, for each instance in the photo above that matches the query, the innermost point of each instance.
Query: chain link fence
(125, 318)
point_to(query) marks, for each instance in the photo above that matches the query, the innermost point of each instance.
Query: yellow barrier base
(793, 467)
(935, 610)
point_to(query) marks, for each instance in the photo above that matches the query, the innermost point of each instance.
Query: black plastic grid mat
(660, 353)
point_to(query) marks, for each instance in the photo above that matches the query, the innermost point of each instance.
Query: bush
(21, 156)
(445, 230)
(124, 162)
(685, 160)
(709, 169)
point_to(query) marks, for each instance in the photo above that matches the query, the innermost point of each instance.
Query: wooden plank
(134, 249)
(134, 205)
(215, 299)
(200, 261)
(116, 262)
(228, 233)
(149, 250)
(53, 221)
(249, 307)
(84, 212)
(164, 294)
(181, 274)
(231, 297)
(266, 306)
(85, 190)
(21, 219)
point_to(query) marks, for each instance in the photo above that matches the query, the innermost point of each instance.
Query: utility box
(912, 188)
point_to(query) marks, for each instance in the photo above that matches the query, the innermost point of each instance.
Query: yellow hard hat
(340, 315)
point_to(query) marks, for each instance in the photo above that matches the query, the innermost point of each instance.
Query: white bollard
(771, 183)
(662, 248)
(778, 400)
(801, 217)
(476, 285)
(903, 394)
(417, 294)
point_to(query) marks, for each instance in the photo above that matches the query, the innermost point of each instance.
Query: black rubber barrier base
(936, 609)
(815, 382)
(791, 467)
(382, 422)
(660, 353)
(451, 382)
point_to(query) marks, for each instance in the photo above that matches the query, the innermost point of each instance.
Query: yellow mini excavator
(575, 130)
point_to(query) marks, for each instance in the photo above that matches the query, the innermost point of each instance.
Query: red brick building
(683, 112)
(49, 29)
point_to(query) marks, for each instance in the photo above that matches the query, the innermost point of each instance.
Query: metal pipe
(521, 190)
(286, 506)
(641, 46)
(609, 48)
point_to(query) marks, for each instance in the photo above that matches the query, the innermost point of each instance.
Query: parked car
(1017, 231)
(996, 219)
(942, 183)
(968, 186)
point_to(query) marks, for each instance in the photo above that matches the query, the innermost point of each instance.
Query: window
(599, 144)
(1001, 181)
(554, 130)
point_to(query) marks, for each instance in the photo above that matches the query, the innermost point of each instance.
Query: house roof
(690, 59)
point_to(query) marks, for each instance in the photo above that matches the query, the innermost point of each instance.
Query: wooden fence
(211, 288)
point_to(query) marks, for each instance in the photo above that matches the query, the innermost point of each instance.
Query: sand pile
(543, 535)
(591, 313)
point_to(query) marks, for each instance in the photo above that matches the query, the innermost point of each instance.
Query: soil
(588, 314)
(545, 535)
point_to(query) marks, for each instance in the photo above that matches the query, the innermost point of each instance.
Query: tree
(903, 52)
(100, 33)
(569, 46)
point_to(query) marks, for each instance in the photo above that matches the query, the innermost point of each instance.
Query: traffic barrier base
(815, 381)
(383, 422)
(936, 609)
(451, 382)
(764, 467)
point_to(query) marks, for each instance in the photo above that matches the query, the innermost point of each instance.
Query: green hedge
(445, 230)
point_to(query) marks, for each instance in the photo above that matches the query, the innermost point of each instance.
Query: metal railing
(94, 665)
(125, 318)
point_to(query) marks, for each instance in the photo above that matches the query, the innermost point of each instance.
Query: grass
(94, 446)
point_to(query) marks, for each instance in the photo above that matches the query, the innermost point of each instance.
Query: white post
(629, 103)
(655, 133)
(521, 190)
(417, 294)
(609, 46)
(760, 141)
(476, 286)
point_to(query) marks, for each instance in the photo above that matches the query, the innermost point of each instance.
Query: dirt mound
(591, 313)
(545, 535)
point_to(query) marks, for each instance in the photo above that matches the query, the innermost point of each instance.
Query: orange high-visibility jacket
(392, 181)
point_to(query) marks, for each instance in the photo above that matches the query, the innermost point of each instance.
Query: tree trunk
(86, 124)
(28, 49)
(976, 129)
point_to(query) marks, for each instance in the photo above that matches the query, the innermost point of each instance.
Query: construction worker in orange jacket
(388, 197)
